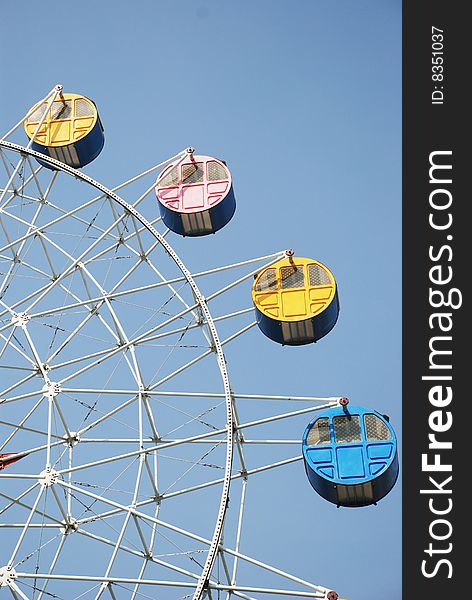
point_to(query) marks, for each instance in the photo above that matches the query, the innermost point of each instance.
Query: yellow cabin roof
(293, 289)
(70, 118)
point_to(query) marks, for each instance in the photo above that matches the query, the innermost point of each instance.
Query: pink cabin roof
(197, 184)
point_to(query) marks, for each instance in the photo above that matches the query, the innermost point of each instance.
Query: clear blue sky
(303, 101)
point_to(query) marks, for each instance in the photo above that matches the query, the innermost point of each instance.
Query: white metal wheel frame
(88, 272)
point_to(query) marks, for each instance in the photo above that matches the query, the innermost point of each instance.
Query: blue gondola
(350, 455)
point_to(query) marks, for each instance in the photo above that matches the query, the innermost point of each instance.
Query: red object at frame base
(5, 461)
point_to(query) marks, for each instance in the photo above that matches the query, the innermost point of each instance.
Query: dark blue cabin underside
(355, 495)
(320, 325)
(219, 215)
(79, 153)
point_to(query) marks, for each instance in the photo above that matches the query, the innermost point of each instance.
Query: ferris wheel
(125, 453)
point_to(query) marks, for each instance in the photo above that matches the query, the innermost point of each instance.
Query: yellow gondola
(71, 131)
(296, 300)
